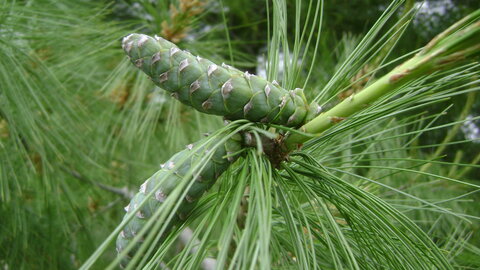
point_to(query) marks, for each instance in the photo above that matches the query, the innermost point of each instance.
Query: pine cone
(216, 89)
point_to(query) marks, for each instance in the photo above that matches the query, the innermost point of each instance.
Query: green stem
(353, 104)
(450, 48)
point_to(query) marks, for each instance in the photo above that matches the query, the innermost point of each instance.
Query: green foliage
(80, 128)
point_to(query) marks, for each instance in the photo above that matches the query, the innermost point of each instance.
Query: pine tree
(383, 177)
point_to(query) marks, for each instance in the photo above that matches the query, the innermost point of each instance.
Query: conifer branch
(453, 47)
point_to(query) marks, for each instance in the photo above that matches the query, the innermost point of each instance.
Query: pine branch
(453, 47)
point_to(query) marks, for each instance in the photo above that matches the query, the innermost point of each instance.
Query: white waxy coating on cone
(247, 107)
(226, 66)
(293, 92)
(156, 57)
(122, 234)
(183, 64)
(157, 38)
(174, 50)
(194, 86)
(126, 208)
(140, 214)
(170, 165)
(160, 196)
(284, 101)
(190, 146)
(274, 82)
(128, 47)
(199, 58)
(291, 119)
(163, 77)
(142, 40)
(126, 38)
(227, 87)
(143, 187)
(229, 156)
(162, 165)
(247, 75)
(267, 90)
(248, 138)
(211, 69)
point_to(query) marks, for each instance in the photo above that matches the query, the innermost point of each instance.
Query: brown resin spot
(396, 77)
(336, 119)
(139, 62)
(163, 77)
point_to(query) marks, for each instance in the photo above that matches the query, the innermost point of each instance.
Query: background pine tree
(81, 129)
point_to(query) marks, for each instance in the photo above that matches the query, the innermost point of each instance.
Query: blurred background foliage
(80, 127)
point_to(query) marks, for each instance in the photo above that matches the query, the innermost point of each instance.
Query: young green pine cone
(220, 90)
(221, 159)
